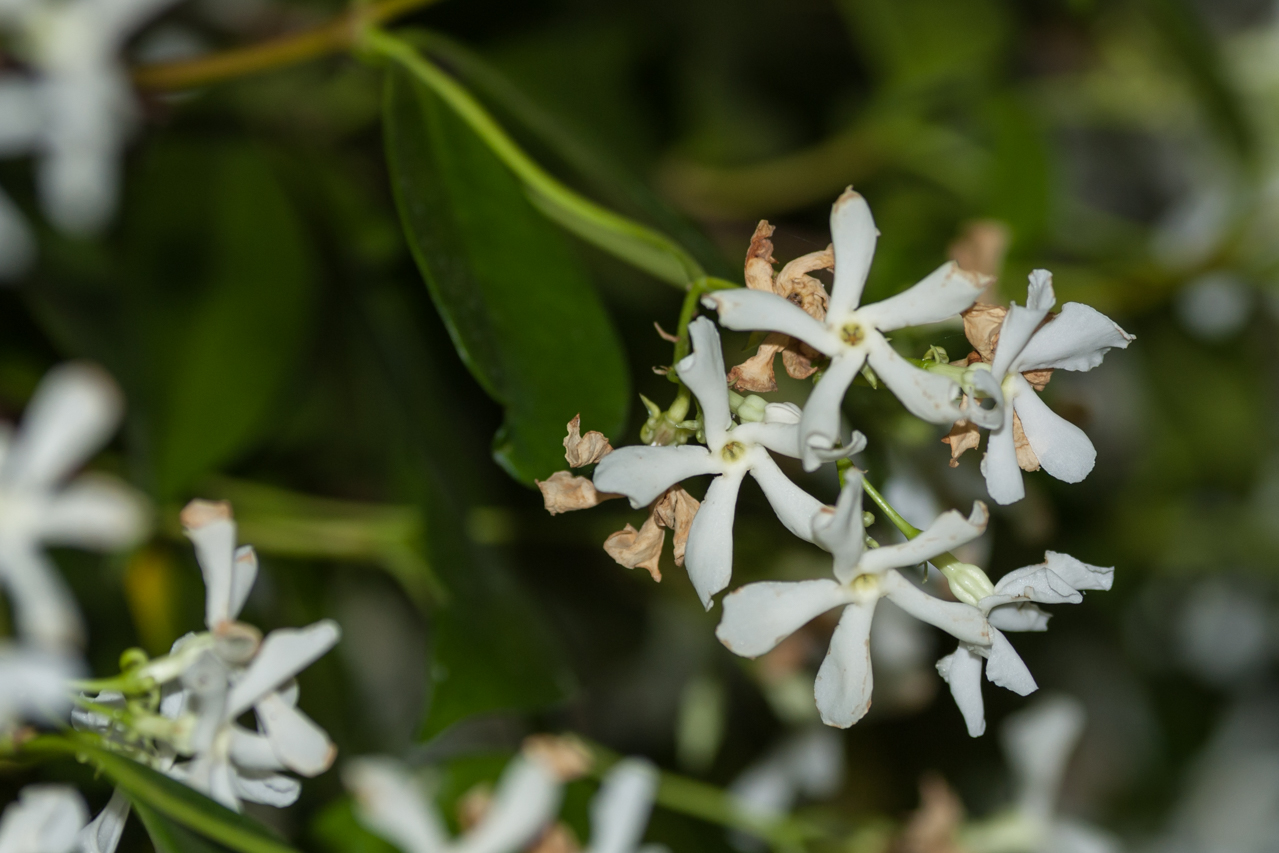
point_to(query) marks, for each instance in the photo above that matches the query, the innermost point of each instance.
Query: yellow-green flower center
(732, 451)
(852, 333)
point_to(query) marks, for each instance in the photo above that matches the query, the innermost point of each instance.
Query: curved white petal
(620, 811)
(284, 653)
(1014, 333)
(1063, 449)
(929, 396)
(948, 531)
(780, 438)
(841, 531)
(961, 670)
(44, 609)
(34, 684)
(746, 310)
(1018, 616)
(76, 408)
(1039, 291)
(300, 744)
(819, 424)
(945, 292)
(758, 616)
(44, 819)
(251, 751)
(844, 681)
(1038, 743)
(1079, 574)
(95, 511)
(795, 507)
(102, 835)
(961, 621)
(1006, 668)
(270, 789)
(526, 799)
(1078, 338)
(244, 571)
(999, 464)
(708, 557)
(703, 372)
(1032, 583)
(21, 116)
(390, 803)
(643, 473)
(992, 418)
(211, 528)
(853, 236)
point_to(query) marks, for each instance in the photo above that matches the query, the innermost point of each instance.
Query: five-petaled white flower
(852, 336)
(1060, 579)
(44, 819)
(760, 615)
(74, 411)
(1077, 338)
(74, 110)
(643, 473)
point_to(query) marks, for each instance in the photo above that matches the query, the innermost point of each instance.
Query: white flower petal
(794, 506)
(120, 17)
(1038, 743)
(44, 609)
(34, 684)
(526, 799)
(1006, 668)
(1039, 291)
(76, 408)
(780, 438)
(999, 464)
(1078, 338)
(269, 789)
(284, 653)
(992, 418)
(746, 310)
(945, 292)
(948, 531)
(758, 616)
(102, 835)
(300, 744)
(251, 751)
(1063, 449)
(703, 372)
(211, 528)
(781, 413)
(841, 531)
(620, 811)
(708, 556)
(853, 236)
(643, 473)
(1070, 836)
(390, 803)
(244, 571)
(17, 243)
(95, 511)
(1079, 574)
(929, 396)
(961, 670)
(844, 681)
(1014, 333)
(961, 621)
(44, 819)
(1032, 583)
(819, 424)
(21, 117)
(1019, 616)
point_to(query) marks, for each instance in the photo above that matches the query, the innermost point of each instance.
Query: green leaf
(520, 309)
(337, 830)
(170, 837)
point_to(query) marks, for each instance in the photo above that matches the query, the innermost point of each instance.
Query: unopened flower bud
(968, 582)
(751, 409)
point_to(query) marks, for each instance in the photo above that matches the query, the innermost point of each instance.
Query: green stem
(941, 561)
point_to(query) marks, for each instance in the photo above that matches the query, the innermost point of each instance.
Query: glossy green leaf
(517, 303)
(167, 836)
(338, 831)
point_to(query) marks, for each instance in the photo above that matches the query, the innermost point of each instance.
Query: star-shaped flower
(74, 411)
(644, 473)
(759, 616)
(851, 336)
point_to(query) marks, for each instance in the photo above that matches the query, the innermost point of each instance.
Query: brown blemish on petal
(565, 756)
(587, 449)
(198, 513)
(933, 828)
(563, 492)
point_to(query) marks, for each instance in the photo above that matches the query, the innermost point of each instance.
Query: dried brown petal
(933, 827)
(198, 513)
(1038, 379)
(759, 259)
(638, 548)
(1026, 457)
(756, 373)
(665, 335)
(981, 247)
(794, 283)
(586, 449)
(674, 510)
(564, 492)
(798, 358)
(963, 436)
(558, 838)
(563, 755)
(981, 327)
(474, 805)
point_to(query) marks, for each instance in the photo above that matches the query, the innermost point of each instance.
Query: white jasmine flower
(1060, 579)
(34, 685)
(759, 616)
(621, 808)
(1077, 338)
(643, 473)
(1037, 743)
(808, 763)
(853, 336)
(392, 803)
(102, 835)
(76, 108)
(74, 411)
(44, 819)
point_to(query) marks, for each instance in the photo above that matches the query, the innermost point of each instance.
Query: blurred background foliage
(259, 301)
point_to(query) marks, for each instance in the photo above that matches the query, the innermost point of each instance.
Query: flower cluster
(834, 339)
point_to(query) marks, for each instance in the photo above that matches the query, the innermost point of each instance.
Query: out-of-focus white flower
(74, 411)
(808, 763)
(102, 835)
(44, 819)
(1077, 338)
(34, 684)
(644, 473)
(852, 336)
(392, 802)
(1215, 306)
(1060, 579)
(759, 616)
(1037, 743)
(75, 109)
(620, 811)
(1225, 631)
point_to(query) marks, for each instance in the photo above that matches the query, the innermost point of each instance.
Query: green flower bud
(968, 582)
(751, 409)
